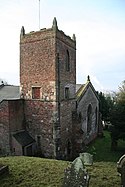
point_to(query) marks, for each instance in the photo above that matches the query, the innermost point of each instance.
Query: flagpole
(39, 14)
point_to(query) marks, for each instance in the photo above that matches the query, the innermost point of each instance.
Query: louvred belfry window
(35, 92)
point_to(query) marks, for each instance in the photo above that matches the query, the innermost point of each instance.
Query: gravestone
(78, 164)
(76, 175)
(121, 169)
(4, 170)
(86, 158)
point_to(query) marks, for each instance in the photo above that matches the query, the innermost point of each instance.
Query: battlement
(44, 33)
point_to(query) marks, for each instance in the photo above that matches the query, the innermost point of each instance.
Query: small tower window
(66, 93)
(67, 61)
(35, 92)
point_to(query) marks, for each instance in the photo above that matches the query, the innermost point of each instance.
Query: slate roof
(23, 138)
(8, 92)
(78, 87)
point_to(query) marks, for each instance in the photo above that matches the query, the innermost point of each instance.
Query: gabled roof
(23, 138)
(82, 88)
(8, 92)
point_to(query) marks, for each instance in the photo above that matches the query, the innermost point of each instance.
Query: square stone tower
(47, 84)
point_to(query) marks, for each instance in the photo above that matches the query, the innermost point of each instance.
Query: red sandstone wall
(37, 63)
(4, 128)
(16, 115)
(39, 67)
(11, 120)
(40, 117)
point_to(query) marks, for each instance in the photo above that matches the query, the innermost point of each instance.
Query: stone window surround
(67, 93)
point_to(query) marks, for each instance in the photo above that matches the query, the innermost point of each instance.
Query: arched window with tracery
(67, 61)
(89, 118)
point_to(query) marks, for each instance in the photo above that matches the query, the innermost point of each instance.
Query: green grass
(33, 172)
(104, 174)
(101, 149)
(39, 172)
(104, 170)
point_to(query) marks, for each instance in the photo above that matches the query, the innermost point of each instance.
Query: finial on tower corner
(22, 31)
(74, 37)
(88, 78)
(54, 26)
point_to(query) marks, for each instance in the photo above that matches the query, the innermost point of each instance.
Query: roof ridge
(80, 89)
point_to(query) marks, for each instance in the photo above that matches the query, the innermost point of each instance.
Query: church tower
(47, 84)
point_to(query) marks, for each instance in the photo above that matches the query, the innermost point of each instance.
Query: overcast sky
(99, 26)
